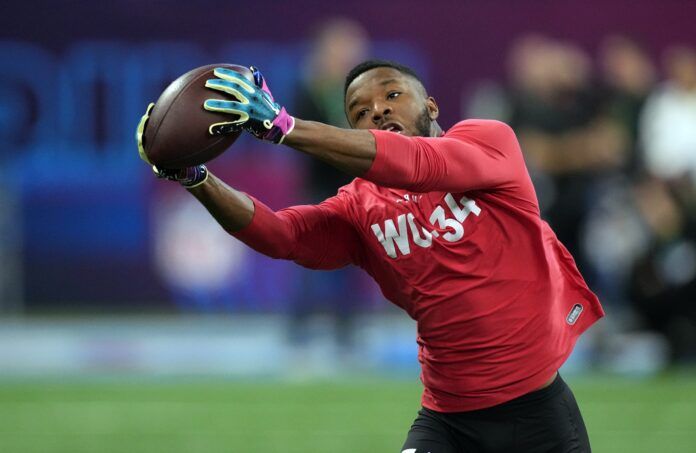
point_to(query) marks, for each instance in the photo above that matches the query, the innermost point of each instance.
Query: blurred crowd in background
(609, 137)
(610, 141)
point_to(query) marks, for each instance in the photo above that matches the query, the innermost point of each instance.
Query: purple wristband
(193, 176)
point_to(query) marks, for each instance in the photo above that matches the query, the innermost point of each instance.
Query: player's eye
(360, 114)
(393, 95)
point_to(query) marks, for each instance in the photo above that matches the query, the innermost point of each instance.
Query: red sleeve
(474, 154)
(314, 236)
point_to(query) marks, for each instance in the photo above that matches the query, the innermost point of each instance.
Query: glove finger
(140, 130)
(232, 107)
(258, 77)
(234, 76)
(228, 87)
(224, 128)
(260, 81)
(268, 99)
(164, 173)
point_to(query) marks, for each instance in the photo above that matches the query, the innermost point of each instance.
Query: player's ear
(433, 109)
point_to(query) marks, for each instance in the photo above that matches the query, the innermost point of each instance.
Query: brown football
(176, 133)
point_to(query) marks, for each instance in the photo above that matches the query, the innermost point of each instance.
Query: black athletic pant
(544, 421)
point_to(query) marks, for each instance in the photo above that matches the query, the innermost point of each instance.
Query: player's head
(381, 94)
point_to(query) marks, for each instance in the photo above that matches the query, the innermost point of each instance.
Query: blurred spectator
(668, 123)
(627, 77)
(663, 280)
(569, 137)
(338, 46)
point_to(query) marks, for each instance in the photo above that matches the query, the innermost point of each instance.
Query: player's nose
(379, 112)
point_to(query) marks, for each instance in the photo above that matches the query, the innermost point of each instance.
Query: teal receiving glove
(257, 111)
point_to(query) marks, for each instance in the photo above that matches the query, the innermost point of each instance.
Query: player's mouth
(392, 127)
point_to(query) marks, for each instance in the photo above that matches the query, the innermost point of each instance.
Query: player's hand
(140, 130)
(188, 177)
(255, 107)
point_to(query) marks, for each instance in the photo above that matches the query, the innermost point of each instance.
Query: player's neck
(435, 129)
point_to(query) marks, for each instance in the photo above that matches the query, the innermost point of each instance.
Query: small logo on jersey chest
(407, 197)
(574, 314)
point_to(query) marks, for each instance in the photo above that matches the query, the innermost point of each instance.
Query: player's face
(384, 98)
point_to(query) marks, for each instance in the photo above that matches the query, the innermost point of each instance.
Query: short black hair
(372, 64)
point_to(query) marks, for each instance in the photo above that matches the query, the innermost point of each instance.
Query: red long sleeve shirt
(449, 228)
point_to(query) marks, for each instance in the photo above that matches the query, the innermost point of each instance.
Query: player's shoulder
(349, 197)
(360, 192)
(345, 195)
(473, 126)
(357, 185)
(487, 134)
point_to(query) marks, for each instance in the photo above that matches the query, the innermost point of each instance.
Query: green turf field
(658, 415)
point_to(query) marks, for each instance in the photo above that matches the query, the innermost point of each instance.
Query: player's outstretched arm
(350, 150)
(475, 154)
(232, 209)
(316, 236)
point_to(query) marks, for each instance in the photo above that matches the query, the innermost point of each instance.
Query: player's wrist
(195, 176)
(283, 124)
(188, 177)
(297, 135)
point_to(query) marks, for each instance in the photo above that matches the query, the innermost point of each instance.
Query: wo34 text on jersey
(396, 235)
